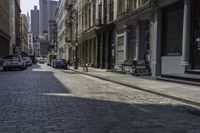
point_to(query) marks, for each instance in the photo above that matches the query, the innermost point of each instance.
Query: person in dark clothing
(69, 63)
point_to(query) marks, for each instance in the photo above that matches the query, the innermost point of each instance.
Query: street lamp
(76, 54)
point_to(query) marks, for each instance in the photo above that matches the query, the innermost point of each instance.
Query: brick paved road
(44, 100)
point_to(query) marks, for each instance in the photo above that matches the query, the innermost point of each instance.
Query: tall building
(47, 13)
(35, 22)
(29, 22)
(4, 27)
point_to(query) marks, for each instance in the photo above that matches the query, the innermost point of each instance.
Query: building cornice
(135, 13)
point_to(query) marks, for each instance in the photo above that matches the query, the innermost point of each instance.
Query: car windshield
(12, 57)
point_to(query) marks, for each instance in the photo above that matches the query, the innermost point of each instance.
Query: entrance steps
(193, 72)
(192, 79)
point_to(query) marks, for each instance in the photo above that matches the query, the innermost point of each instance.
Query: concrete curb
(180, 99)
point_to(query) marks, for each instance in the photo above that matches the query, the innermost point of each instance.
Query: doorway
(196, 47)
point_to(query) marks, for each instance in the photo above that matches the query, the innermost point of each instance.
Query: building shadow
(38, 102)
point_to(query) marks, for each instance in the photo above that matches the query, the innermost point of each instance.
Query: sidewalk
(185, 93)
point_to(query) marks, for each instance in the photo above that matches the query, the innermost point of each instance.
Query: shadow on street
(38, 102)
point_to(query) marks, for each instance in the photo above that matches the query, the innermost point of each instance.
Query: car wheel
(22, 68)
(5, 69)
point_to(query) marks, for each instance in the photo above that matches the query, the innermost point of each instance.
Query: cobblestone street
(44, 100)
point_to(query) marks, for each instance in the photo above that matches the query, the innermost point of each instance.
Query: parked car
(12, 62)
(60, 63)
(28, 61)
(41, 60)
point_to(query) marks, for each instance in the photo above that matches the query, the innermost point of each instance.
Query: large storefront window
(120, 48)
(196, 36)
(131, 43)
(173, 30)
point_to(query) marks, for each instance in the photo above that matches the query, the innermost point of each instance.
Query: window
(105, 11)
(100, 13)
(173, 30)
(94, 11)
(121, 7)
(130, 5)
(120, 48)
(89, 15)
(111, 10)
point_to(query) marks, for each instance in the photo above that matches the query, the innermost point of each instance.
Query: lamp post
(76, 54)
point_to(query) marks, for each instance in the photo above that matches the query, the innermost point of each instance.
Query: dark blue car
(60, 63)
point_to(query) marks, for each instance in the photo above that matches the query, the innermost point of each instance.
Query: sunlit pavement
(44, 100)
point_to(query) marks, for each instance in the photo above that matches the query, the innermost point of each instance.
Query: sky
(27, 5)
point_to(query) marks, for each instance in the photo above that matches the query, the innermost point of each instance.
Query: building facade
(176, 37)
(35, 22)
(17, 26)
(4, 27)
(24, 34)
(52, 36)
(105, 32)
(47, 12)
(132, 32)
(102, 38)
(81, 33)
(110, 33)
(12, 27)
(30, 44)
(61, 29)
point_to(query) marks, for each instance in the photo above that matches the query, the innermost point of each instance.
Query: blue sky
(27, 5)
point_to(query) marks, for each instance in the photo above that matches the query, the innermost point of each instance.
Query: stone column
(156, 21)
(138, 4)
(186, 32)
(91, 16)
(126, 6)
(137, 49)
(125, 41)
(115, 9)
